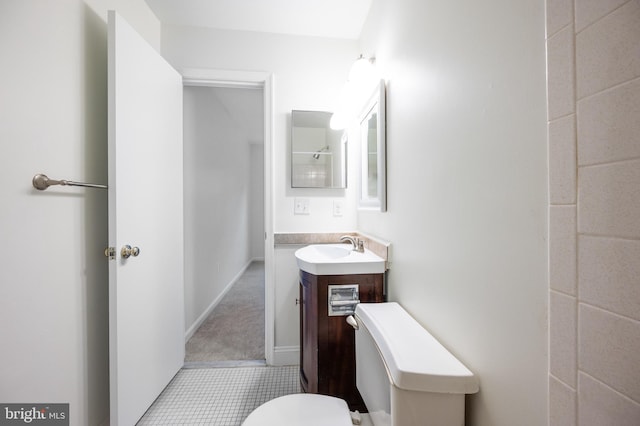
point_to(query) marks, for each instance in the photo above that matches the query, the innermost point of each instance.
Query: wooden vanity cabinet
(327, 343)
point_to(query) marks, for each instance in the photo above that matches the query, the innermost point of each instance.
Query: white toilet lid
(301, 409)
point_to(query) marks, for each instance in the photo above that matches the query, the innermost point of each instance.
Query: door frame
(208, 77)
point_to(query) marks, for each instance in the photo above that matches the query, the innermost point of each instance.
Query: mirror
(318, 153)
(373, 188)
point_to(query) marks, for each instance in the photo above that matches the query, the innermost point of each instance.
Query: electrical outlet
(301, 206)
(337, 208)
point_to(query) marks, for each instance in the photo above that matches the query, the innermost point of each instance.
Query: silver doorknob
(128, 251)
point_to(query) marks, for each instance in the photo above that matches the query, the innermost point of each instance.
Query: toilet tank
(405, 376)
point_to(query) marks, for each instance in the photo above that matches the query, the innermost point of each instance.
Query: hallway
(234, 331)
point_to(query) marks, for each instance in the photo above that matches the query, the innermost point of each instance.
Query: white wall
(594, 176)
(256, 229)
(54, 276)
(219, 198)
(287, 324)
(308, 74)
(467, 188)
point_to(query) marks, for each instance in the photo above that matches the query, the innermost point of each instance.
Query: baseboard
(202, 318)
(224, 364)
(286, 355)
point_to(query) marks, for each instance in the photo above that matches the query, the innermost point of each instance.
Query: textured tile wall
(593, 53)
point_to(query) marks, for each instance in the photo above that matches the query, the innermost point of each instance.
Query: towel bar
(42, 182)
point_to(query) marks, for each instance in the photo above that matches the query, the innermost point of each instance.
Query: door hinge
(110, 252)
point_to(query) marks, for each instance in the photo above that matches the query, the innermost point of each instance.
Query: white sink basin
(338, 259)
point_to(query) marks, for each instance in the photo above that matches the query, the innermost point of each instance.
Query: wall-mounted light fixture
(362, 78)
(362, 69)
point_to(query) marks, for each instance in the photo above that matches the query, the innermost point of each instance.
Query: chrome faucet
(357, 243)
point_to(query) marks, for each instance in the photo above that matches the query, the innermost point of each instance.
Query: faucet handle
(356, 243)
(352, 240)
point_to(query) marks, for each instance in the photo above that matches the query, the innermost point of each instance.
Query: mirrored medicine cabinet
(373, 164)
(318, 153)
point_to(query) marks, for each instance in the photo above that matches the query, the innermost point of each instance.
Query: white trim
(264, 80)
(269, 246)
(223, 78)
(286, 355)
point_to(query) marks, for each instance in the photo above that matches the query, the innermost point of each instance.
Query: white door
(146, 299)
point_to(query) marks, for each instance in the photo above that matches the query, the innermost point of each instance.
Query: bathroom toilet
(405, 376)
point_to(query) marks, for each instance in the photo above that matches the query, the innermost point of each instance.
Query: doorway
(225, 226)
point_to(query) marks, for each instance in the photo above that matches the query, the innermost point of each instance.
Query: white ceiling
(320, 18)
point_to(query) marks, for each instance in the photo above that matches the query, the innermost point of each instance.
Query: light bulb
(361, 69)
(338, 121)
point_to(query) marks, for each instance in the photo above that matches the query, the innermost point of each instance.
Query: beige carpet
(234, 331)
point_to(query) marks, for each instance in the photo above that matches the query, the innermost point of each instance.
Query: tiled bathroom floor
(219, 396)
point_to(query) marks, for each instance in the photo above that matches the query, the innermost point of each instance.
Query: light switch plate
(337, 208)
(301, 206)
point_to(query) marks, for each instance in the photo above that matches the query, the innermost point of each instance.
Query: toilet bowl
(301, 409)
(405, 376)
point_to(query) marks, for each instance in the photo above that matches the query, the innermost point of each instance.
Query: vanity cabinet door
(327, 343)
